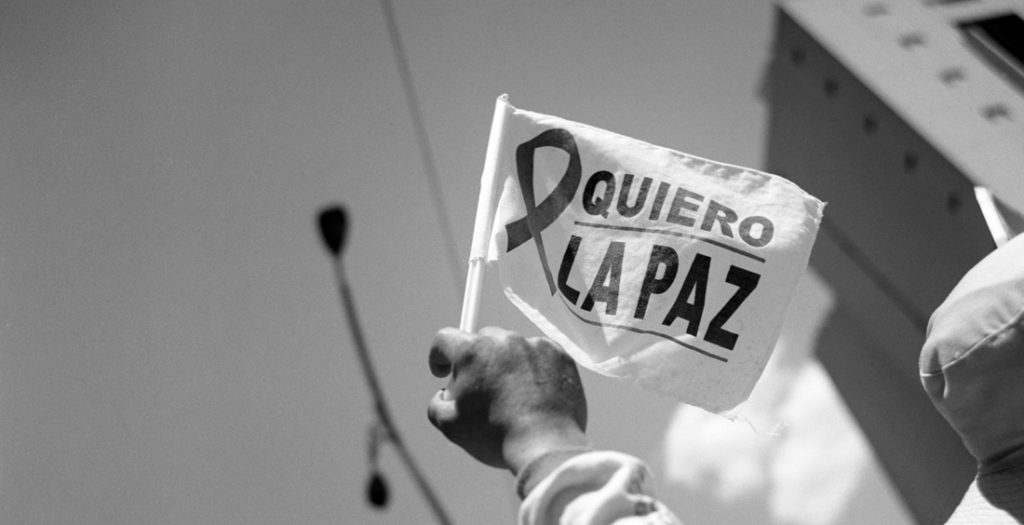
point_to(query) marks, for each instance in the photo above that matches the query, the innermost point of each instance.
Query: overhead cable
(423, 141)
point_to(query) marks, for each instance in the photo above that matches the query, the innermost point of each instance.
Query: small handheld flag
(646, 264)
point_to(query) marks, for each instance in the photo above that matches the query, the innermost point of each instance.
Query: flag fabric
(646, 264)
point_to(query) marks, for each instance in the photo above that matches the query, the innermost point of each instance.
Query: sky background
(172, 350)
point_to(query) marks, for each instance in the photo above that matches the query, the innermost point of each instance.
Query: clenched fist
(509, 399)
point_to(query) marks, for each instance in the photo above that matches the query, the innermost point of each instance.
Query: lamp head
(333, 222)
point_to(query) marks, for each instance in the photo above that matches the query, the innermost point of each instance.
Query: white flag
(646, 264)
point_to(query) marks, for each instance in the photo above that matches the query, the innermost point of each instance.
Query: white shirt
(592, 488)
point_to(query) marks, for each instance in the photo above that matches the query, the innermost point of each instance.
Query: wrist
(542, 466)
(523, 448)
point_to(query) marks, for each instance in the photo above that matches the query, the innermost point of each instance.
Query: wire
(423, 141)
(380, 405)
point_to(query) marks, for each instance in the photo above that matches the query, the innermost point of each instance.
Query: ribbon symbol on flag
(539, 217)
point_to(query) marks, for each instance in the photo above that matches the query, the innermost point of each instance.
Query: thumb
(441, 411)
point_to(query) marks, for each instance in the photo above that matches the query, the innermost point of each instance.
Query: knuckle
(498, 335)
(545, 343)
(442, 336)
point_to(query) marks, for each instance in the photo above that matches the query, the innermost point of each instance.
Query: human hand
(509, 399)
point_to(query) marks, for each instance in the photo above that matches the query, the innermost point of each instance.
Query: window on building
(1000, 40)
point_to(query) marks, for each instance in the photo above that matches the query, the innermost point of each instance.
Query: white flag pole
(484, 219)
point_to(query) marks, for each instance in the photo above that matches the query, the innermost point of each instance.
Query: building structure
(907, 117)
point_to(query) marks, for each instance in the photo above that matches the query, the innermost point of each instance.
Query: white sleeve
(591, 488)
